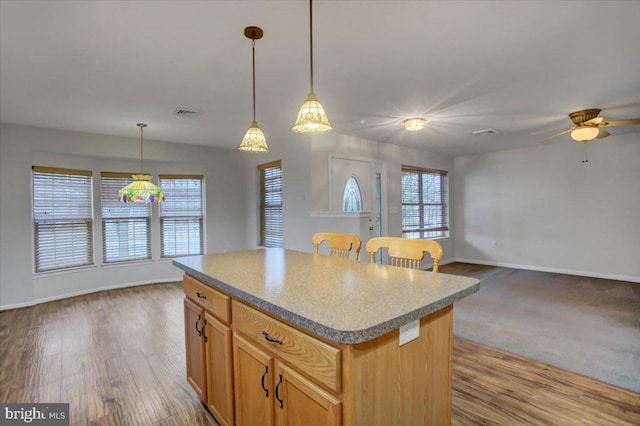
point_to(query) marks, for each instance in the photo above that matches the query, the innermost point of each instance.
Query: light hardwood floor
(118, 358)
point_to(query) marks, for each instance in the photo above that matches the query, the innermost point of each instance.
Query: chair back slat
(340, 245)
(405, 252)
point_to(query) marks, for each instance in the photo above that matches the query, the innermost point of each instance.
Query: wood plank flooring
(118, 358)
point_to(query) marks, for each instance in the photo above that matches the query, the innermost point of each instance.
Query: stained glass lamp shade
(141, 190)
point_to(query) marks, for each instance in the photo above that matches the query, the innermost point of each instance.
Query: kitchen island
(283, 337)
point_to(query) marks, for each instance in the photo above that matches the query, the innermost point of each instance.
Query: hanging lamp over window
(254, 140)
(312, 118)
(141, 190)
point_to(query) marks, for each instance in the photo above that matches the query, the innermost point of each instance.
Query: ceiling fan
(587, 126)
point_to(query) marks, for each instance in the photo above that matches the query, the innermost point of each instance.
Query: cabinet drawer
(303, 352)
(212, 300)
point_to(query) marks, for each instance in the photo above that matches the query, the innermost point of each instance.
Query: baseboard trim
(554, 270)
(84, 292)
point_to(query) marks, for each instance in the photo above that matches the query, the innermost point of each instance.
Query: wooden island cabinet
(277, 337)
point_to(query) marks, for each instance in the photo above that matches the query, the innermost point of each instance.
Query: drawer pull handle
(271, 339)
(197, 329)
(200, 296)
(277, 396)
(266, 370)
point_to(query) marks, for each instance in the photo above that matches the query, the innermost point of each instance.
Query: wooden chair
(405, 252)
(339, 244)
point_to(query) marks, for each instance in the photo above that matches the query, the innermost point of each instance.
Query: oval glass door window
(352, 199)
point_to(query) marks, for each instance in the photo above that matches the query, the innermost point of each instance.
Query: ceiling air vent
(186, 112)
(484, 132)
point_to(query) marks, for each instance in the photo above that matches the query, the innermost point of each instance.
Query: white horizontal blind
(126, 227)
(62, 218)
(271, 204)
(181, 215)
(425, 198)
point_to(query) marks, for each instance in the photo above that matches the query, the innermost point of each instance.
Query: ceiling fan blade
(597, 120)
(621, 122)
(554, 136)
(602, 134)
(550, 130)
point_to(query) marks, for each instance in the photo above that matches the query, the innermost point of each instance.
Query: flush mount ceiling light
(312, 118)
(254, 140)
(414, 124)
(141, 190)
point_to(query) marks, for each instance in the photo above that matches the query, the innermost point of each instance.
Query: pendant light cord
(311, 40)
(141, 150)
(253, 60)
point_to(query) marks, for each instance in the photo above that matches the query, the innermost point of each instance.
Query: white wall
(21, 147)
(543, 208)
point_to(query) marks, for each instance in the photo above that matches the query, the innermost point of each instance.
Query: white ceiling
(516, 67)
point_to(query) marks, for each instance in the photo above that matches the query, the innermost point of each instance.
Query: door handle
(277, 396)
(266, 370)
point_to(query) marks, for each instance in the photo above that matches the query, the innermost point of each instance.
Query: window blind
(126, 234)
(62, 218)
(271, 204)
(425, 198)
(181, 216)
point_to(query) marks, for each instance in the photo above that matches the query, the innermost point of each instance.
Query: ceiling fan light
(254, 140)
(312, 118)
(414, 124)
(585, 134)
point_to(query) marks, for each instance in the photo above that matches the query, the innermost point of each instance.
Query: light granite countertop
(341, 300)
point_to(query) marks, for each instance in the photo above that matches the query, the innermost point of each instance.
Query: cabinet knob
(200, 296)
(197, 329)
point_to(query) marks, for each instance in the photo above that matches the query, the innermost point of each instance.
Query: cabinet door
(253, 384)
(195, 350)
(217, 337)
(300, 402)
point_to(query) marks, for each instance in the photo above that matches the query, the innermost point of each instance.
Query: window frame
(200, 219)
(267, 235)
(423, 229)
(86, 220)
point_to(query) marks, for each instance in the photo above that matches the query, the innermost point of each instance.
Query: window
(425, 198)
(62, 218)
(126, 233)
(271, 204)
(181, 216)
(352, 199)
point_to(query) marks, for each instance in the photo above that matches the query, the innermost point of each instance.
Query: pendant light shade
(312, 118)
(254, 140)
(141, 190)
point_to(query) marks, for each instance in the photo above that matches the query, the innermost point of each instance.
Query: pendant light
(141, 190)
(312, 118)
(254, 140)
